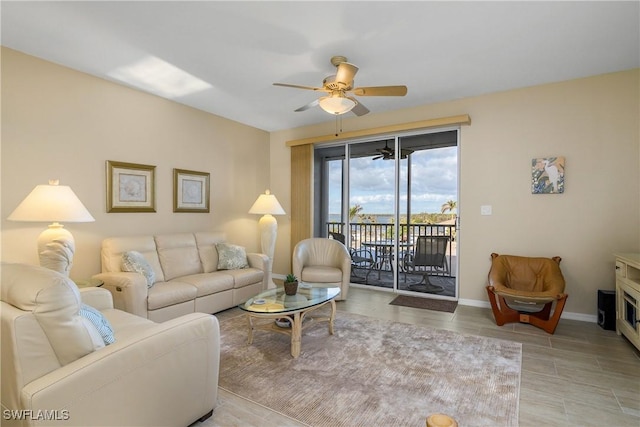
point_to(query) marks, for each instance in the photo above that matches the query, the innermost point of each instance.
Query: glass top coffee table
(274, 304)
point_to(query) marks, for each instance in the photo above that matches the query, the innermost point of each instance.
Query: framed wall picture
(130, 187)
(547, 175)
(190, 191)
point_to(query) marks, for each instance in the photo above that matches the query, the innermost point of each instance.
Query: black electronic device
(607, 309)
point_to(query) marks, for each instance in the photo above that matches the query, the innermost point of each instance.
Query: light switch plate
(485, 210)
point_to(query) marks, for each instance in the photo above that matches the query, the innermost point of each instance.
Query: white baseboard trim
(592, 318)
(565, 315)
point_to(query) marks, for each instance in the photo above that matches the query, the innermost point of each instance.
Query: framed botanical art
(130, 187)
(547, 175)
(190, 191)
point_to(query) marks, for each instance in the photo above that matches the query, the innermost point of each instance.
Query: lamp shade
(267, 204)
(336, 103)
(51, 203)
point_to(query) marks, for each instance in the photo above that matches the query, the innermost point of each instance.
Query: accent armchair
(326, 261)
(524, 289)
(56, 362)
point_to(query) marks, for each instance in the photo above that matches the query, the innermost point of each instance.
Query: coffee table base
(297, 318)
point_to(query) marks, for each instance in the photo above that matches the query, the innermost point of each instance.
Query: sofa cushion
(231, 257)
(245, 276)
(114, 247)
(164, 294)
(178, 255)
(210, 283)
(134, 261)
(321, 274)
(126, 325)
(100, 322)
(207, 241)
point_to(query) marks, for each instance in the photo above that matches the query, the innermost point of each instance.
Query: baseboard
(565, 315)
(592, 318)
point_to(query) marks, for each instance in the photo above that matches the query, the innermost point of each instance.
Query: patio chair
(360, 258)
(429, 257)
(523, 289)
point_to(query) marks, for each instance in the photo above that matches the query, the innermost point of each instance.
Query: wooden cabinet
(628, 296)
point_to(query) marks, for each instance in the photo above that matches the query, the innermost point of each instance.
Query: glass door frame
(346, 197)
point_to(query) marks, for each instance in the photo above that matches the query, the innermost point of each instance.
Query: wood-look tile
(580, 376)
(535, 364)
(584, 414)
(541, 409)
(622, 353)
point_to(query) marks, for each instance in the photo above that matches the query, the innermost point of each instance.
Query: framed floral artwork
(547, 175)
(190, 191)
(130, 187)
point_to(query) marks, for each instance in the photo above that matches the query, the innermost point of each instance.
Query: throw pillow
(96, 338)
(135, 262)
(99, 321)
(231, 257)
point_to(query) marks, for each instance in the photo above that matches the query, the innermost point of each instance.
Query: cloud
(372, 182)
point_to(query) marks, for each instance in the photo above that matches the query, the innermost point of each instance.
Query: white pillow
(136, 262)
(100, 322)
(231, 257)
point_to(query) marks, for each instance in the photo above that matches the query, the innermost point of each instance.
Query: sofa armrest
(129, 291)
(98, 298)
(259, 261)
(165, 375)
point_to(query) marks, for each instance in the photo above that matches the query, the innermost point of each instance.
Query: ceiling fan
(339, 88)
(387, 153)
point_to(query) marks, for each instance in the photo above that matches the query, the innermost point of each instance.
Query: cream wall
(59, 123)
(593, 122)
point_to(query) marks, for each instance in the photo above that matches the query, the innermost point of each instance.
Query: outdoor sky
(433, 182)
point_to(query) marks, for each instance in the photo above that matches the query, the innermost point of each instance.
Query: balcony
(380, 241)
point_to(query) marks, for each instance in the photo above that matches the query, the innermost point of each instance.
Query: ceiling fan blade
(318, 89)
(359, 109)
(309, 105)
(380, 91)
(378, 157)
(345, 73)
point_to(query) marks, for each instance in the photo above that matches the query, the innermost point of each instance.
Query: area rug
(374, 372)
(426, 303)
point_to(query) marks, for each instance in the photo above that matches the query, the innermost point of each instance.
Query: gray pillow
(136, 262)
(99, 321)
(231, 257)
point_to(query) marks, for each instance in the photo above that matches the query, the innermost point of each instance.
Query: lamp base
(56, 248)
(268, 233)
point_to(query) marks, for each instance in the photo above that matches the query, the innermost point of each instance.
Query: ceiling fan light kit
(337, 102)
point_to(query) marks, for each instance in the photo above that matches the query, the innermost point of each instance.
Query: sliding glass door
(394, 200)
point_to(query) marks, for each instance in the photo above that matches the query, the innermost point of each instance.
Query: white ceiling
(440, 50)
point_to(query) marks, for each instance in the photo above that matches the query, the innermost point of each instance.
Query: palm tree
(354, 210)
(449, 206)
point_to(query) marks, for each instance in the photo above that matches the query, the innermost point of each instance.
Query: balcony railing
(365, 236)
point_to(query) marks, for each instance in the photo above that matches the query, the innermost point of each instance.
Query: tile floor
(580, 376)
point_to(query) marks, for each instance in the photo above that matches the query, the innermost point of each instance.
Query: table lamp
(53, 203)
(267, 205)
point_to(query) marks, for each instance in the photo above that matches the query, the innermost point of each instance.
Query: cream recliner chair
(326, 261)
(56, 369)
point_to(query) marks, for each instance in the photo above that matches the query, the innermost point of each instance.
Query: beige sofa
(187, 278)
(57, 370)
